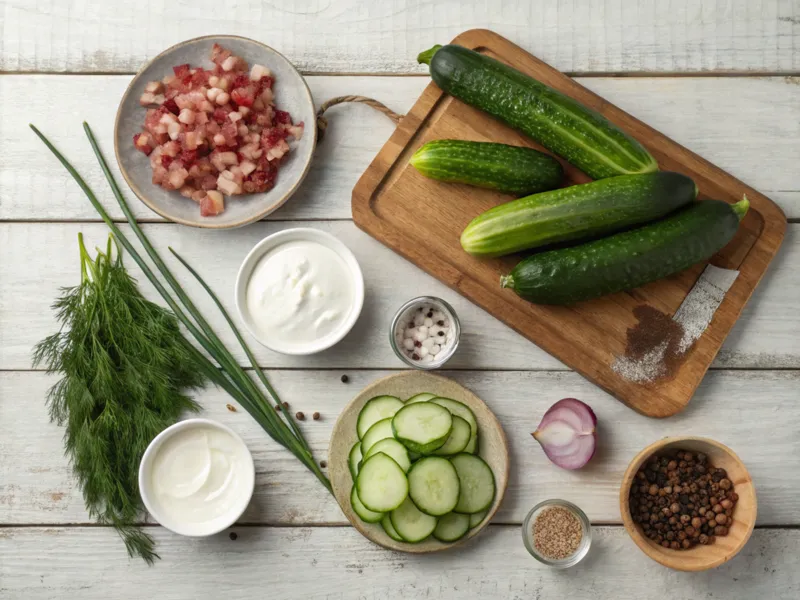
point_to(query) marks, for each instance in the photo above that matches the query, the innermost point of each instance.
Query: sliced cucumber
(433, 485)
(386, 523)
(376, 409)
(379, 431)
(411, 523)
(382, 485)
(451, 527)
(423, 397)
(362, 511)
(477, 518)
(354, 459)
(477, 483)
(414, 456)
(422, 427)
(391, 447)
(472, 445)
(459, 438)
(459, 409)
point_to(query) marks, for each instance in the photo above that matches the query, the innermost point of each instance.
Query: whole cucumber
(627, 260)
(582, 136)
(578, 211)
(511, 169)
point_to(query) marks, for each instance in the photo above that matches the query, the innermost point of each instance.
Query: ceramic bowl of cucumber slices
(418, 463)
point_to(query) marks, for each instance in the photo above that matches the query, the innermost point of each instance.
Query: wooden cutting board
(422, 220)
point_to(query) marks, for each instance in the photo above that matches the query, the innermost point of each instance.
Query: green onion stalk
(227, 373)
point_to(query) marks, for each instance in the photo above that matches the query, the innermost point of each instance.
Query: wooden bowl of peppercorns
(688, 503)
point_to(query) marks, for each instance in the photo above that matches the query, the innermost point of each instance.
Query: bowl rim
(649, 547)
(210, 225)
(273, 241)
(145, 468)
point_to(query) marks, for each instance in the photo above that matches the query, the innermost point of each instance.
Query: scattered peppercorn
(230, 407)
(300, 416)
(323, 464)
(233, 535)
(315, 416)
(345, 379)
(285, 405)
(440, 323)
(681, 500)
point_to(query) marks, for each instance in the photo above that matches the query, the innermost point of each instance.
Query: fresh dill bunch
(125, 368)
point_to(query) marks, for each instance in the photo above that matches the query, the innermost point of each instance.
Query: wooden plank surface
(617, 36)
(753, 412)
(39, 258)
(338, 564)
(747, 126)
(423, 220)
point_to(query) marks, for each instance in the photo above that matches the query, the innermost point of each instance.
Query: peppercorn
(717, 508)
(703, 539)
(315, 416)
(345, 378)
(720, 530)
(653, 490)
(300, 416)
(725, 484)
(323, 464)
(726, 504)
(733, 497)
(696, 522)
(675, 545)
(721, 519)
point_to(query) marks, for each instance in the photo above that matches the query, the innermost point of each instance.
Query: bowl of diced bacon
(216, 132)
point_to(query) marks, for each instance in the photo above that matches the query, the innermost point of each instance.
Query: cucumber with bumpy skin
(627, 260)
(577, 212)
(512, 169)
(562, 125)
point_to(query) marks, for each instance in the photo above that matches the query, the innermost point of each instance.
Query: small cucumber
(511, 169)
(627, 260)
(575, 212)
(562, 125)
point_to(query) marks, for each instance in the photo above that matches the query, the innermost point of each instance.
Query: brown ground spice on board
(557, 533)
(653, 347)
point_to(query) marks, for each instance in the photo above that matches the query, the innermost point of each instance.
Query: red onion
(568, 433)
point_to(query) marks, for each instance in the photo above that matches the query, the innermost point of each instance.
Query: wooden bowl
(492, 447)
(291, 94)
(724, 548)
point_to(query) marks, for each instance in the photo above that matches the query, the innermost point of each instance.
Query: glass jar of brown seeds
(557, 533)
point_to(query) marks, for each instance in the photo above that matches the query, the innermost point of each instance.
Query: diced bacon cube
(230, 131)
(147, 98)
(220, 160)
(191, 140)
(186, 116)
(247, 167)
(230, 63)
(277, 151)
(296, 131)
(198, 195)
(283, 117)
(208, 182)
(228, 186)
(234, 116)
(174, 130)
(219, 139)
(259, 71)
(206, 106)
(171, 149)
(143, 142)
(201, 118)
(186, 191)
(219, 54)
(181, 70)
(212, 205)
(267, 96)
(154, 87)
(176, 178)
(243, 96)
(170, 105)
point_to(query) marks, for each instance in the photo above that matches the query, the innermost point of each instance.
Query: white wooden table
(719, 76)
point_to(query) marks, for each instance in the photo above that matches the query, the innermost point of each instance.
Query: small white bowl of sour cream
(196, 477)
(299, 291)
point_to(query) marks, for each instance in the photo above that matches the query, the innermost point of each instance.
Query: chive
(230, 376)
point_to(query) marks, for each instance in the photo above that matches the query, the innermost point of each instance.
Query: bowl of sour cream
(299, 291)
(196, 477)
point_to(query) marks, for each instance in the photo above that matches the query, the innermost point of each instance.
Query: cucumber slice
(477, 483)
(376, 409)
(379, 431)
(451, 527)
(423, 397)
(477, 518)
(411, 523)
(472, 445)
(414, 456)
(422, 427)
(394, 449)
(354, 459)
(386, 523)
(458, 440)
(382, 485)
(362, 511)
(433, 485)
(459, 409)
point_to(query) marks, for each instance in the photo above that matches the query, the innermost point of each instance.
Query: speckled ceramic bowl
(291, 94)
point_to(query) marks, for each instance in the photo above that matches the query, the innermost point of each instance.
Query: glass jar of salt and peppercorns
(425, 332)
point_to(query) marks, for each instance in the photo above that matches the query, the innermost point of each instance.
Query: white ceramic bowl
(291, 94)
(291, 235)
(152, 505)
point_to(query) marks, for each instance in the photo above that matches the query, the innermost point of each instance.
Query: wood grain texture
(39, 258)
(699, 558)
(422, 220)
(338, 564)
(747, 126)
(753, 412)
(492, 448)
(366, 36)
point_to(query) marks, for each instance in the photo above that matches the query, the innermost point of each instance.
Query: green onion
(229, 375)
